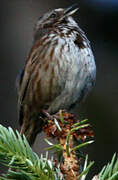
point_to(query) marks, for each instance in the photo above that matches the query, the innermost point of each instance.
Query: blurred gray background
(99, 19)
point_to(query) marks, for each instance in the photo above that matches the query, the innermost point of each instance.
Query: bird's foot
(49, 116)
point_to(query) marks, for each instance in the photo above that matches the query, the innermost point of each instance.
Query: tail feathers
(30, 129)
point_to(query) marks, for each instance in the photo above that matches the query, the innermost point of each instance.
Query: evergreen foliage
(24, 164)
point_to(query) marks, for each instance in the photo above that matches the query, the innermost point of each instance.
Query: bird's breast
(58, 64)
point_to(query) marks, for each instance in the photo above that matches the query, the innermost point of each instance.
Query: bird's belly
(71, 75)
(81, 74)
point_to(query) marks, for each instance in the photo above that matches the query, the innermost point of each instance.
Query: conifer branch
(24, 164)
(16, 153)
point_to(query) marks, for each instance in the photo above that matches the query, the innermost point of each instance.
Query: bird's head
(56, 17)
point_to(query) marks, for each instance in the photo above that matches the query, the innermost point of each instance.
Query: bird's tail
(30, 128)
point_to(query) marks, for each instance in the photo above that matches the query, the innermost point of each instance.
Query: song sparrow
(59, 71)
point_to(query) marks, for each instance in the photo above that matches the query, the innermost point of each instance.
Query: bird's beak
(71, 10)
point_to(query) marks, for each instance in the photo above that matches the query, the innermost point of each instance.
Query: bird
(59, 72)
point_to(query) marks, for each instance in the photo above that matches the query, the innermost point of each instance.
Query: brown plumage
(59, 71)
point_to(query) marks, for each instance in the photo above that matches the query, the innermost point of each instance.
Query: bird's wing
(22, 85)
(19, 79)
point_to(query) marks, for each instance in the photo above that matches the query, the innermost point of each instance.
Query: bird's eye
(53, 15)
